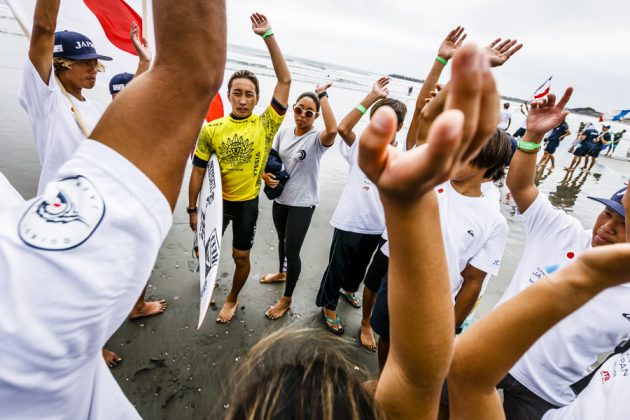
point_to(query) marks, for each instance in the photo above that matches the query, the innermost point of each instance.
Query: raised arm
(543, 116)
(142, 49)
(262, 27)
(509, 330)
(422, 336)
(347, 124)
(328, 134)
(469, 293)
(163, 110)
(40, 50)
(447, 49)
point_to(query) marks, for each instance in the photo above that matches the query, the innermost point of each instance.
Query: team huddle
(418, 223)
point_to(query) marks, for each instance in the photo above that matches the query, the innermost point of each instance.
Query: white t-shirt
(300, 156)
(72, 263)
(56, 132)
(473, 230)
(359, 209)
(563, 354)
(605, 397)
(504, 118)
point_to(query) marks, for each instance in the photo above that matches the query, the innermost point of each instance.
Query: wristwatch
(323, 94)
(191, 210)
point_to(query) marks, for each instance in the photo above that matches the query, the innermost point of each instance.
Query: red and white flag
(543, 90)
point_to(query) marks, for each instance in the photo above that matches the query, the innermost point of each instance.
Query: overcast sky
(584, 44)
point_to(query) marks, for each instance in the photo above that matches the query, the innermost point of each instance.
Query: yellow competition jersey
(242, 147)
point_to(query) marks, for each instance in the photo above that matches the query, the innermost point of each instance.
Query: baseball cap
(615, 202)
(119, 81)
(75, 46)
(606, 126)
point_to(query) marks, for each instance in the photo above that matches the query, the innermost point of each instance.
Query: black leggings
(291, 224)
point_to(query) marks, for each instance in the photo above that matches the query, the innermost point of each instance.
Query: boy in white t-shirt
(358, 219)
(74, 260)
(541, 379)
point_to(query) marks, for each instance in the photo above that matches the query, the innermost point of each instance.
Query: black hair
(244, 74)
(494, 155)
(399, 108)
(311, 95)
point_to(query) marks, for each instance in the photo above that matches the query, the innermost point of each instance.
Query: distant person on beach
(552, 141)
(578, 140)
(76, 258)
(241, 141)
(615, 142)
(540, 380)
(505, 118)
(358, 219)
(59, 66)
(424, 350)
(604, 138)
(587, 140)
(301, 149)
(410, 91)
(523, 109)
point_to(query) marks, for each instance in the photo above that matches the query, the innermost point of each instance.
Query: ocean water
(19, 162)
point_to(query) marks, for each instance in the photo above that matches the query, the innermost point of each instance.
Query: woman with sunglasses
(300, 148)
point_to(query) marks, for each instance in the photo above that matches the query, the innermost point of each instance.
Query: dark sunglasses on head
(299, 111)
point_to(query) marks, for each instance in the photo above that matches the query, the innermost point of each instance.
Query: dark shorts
(380, 314)
(552, 146)
(377, 270)
(519, 403)
(582, 150)
(519, 133)
(595, 150)
(243, 215)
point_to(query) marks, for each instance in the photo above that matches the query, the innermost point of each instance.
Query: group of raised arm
(110, 203)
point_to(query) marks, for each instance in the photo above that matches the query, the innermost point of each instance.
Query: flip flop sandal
(351, 298)
(336, 322)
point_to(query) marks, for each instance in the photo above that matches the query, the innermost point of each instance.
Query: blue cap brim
(615, 206)
(88, 57)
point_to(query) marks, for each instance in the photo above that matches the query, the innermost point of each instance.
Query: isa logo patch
(64, 217)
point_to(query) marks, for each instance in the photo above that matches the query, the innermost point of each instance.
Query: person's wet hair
(300, 374)
(494, 155)
(311, 95)
(244, 74)
(399, 108)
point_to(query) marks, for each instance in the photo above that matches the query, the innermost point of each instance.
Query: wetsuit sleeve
(203, 150)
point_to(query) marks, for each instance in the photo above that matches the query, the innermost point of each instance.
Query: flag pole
(18, 18)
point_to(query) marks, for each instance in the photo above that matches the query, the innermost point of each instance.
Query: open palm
(260, 24)
(546, 114)
(499, 52)
(451, 43)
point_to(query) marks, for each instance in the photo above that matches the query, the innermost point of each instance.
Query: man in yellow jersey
(241, 141)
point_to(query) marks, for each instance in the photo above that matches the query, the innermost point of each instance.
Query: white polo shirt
(72, 263)
(56, 132)
(563, 354)
(605, 397)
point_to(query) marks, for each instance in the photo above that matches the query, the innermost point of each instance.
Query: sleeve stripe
(278, 107)
(197, 161)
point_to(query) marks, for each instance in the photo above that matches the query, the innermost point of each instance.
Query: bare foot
(279, 309)
(367, 337)
(227, 312)
(274, 278)
(111, 358)
(148, 309)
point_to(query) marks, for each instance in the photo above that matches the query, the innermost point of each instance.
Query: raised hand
(455, 136)
(546, 114)
(380, 87)
(453, 40)
(141, 45)
(322, 88)
(499, 52)
(260, 24)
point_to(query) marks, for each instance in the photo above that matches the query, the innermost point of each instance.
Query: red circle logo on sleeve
(63, 217)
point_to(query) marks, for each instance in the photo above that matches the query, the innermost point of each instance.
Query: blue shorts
(552, 146)
(582, 150)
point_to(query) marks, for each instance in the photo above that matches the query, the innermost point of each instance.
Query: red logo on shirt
(605, 375)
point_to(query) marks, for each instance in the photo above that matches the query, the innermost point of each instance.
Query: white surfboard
(209, 232)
